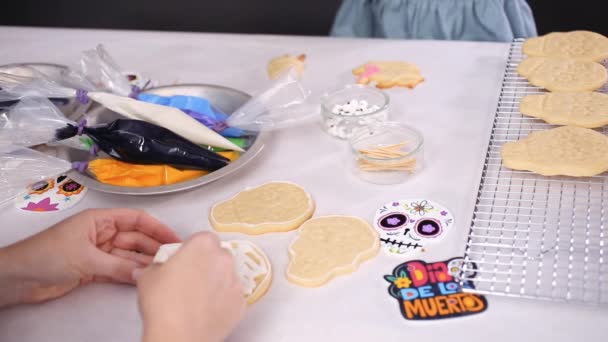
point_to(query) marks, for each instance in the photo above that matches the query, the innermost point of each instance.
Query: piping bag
(173, 119)
(100, 68)
(198, 108)
(35, 121)
(281, 104)
(115, 172)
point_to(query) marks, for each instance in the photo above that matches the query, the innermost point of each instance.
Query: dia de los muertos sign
(427, 291)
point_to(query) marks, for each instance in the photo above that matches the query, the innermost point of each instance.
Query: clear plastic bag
(21, 166)
(99, 68)
(16, 87)
(280, 105)
(32, 121)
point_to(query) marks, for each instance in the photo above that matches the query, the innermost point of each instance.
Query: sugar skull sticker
(51, 195)
(411, 225)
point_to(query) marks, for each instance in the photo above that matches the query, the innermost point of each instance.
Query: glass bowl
(343, 123)
(387, 153)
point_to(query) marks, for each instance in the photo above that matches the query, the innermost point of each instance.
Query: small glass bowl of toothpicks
(387, 152)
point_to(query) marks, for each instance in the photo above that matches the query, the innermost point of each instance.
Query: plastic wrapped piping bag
(173, 119)
(140, 142)
(32, 121)
(35, 121)
(115, 172)
(280, 105)
(78, 143)
(100, 68)
(199, 109)
(21, 166)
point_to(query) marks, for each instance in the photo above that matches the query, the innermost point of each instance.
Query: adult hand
(94, 245)
(194, 296)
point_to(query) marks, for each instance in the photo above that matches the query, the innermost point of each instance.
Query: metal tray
(534, 236)
(225, 99)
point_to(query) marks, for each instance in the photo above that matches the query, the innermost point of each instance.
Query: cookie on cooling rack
(581, 45)
(567, 151)
(563, 74)
(582, 109)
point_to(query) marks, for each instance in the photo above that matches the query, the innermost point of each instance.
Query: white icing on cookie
(246, 267)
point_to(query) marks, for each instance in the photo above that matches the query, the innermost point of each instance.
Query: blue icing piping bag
(198, 108)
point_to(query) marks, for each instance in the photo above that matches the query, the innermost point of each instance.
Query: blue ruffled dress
(476, 20)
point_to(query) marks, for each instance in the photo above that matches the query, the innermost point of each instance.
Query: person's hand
(194, 296)
(94, 245)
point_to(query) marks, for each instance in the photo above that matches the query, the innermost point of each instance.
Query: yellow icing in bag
(115, 172)
(231, 155)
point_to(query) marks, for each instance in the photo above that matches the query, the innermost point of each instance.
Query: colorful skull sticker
(51, 195)
(407, 226)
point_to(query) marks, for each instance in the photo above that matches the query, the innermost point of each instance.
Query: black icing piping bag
(36, 120)
(140, 142)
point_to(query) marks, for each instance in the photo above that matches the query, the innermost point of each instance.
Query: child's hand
(94, 245)
(194, 296)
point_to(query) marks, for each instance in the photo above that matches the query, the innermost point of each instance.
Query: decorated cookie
(51, 195)
(567, 151)
(251, 266)
(563, 74)
(271, 207)
(427, 291)
(329, 246)
(411, 225)
(389, 74)
(278, 65)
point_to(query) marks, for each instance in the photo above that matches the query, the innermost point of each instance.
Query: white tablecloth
(453, 108)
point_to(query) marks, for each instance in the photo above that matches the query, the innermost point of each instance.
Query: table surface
(453, 108)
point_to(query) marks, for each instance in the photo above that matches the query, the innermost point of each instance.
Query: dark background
(298, 17)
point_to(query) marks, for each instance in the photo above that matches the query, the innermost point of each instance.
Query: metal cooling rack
(534, 236)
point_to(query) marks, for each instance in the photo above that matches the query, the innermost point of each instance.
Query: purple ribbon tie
(93, 150)
(80, 166)
(215, 125)
(82, 96)
(135, 90)
(81, 125)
